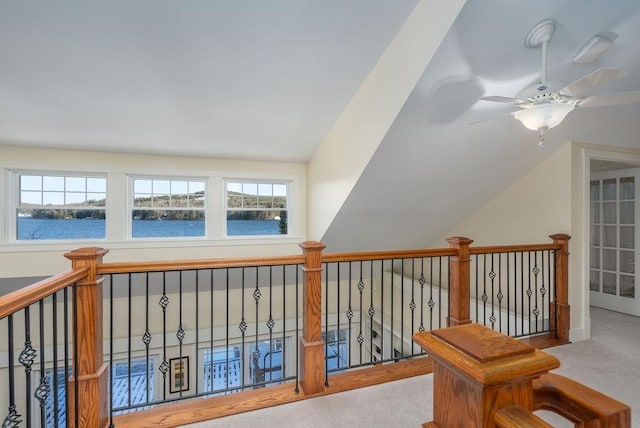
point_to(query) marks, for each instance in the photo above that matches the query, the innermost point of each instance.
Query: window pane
(595, 235)
(96, 199)
(33, 198)
(256, 222)
(265, 189)
(594, 192)
(76, 184)
(161, 187)
(609, 260)
(627, 286)
(234, 187)
(627, 261)
(250, 208)
(595, 213)
(95, 184)
(75, 198)
(61, 224)
(627, 188)
(249, 201)
(609, 212)
(196, 187)
(234, 201)
(609, 236)
(62, 201)
(142, 186)
(165, 224)
(609, 283)
(31, 182)
(250, 188)
(52, 183)
(609, 189)
(595, 258)
(627, 234)
(594, 280)
(53, 198)
(627, 214)
(179, 187)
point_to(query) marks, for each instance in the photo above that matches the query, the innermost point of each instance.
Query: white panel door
(614, 238)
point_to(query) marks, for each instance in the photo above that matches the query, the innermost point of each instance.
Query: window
(60, 207)
(224, 369)
(141, 391)
(257, 208)
(337, 349)
(167, 207)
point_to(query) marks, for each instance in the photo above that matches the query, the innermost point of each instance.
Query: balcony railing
(137, 336)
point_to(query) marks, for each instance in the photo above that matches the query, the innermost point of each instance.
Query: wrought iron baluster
(492, 276)
(285, 351)
(66, 348)
(26, 358)
(13, 418)
(54, 334)
(500, 295)
(349, 316)
(197, 274)
(129, 327)
(180, 334)
(210, 361)
(146, 338)
(111, 351)
(164, 366)
(44, 389)
(297, 388)
(360, 287)
(421, 281)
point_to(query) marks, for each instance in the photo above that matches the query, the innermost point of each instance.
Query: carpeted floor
(608, 362)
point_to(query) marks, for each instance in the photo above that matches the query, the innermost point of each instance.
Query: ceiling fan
(545, 104)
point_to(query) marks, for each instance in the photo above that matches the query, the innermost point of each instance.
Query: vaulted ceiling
(256, 79)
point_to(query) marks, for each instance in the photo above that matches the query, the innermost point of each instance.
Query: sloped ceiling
(257, 79)
(222, 78)
(434, 168)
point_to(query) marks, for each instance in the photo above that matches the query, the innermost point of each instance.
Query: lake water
(34, 228)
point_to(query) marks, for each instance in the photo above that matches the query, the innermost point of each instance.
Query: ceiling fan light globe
(544, 116)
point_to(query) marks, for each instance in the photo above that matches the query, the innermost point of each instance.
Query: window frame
(288, 183)
(16, 202)
(131, 205)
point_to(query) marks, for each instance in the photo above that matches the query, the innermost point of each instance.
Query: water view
(34, 228)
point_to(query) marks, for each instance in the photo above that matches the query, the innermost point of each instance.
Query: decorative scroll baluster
(361, 288)
(492, 276)
(430, 304)
(26, 358)
(164, 366)
(146, 337)
(350, 313)
(42, 391)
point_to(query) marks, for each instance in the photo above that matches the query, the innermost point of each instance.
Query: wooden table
(478, 371)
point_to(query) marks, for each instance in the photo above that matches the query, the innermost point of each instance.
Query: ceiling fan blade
(499, 99)
(591, 81)
(618, 98)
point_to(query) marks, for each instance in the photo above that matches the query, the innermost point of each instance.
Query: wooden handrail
(387, 255)
(513, 248)
(20, 299)
(133, 267)
(579, 403)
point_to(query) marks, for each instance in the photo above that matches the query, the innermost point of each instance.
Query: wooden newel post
(312, 355)
(90, 372)
(459, 282)
(561, 311)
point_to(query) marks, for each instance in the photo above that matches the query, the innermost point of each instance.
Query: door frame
(592, 154)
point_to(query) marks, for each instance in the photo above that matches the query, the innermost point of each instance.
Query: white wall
(347, 148)
(20, 259)
(539, 204)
